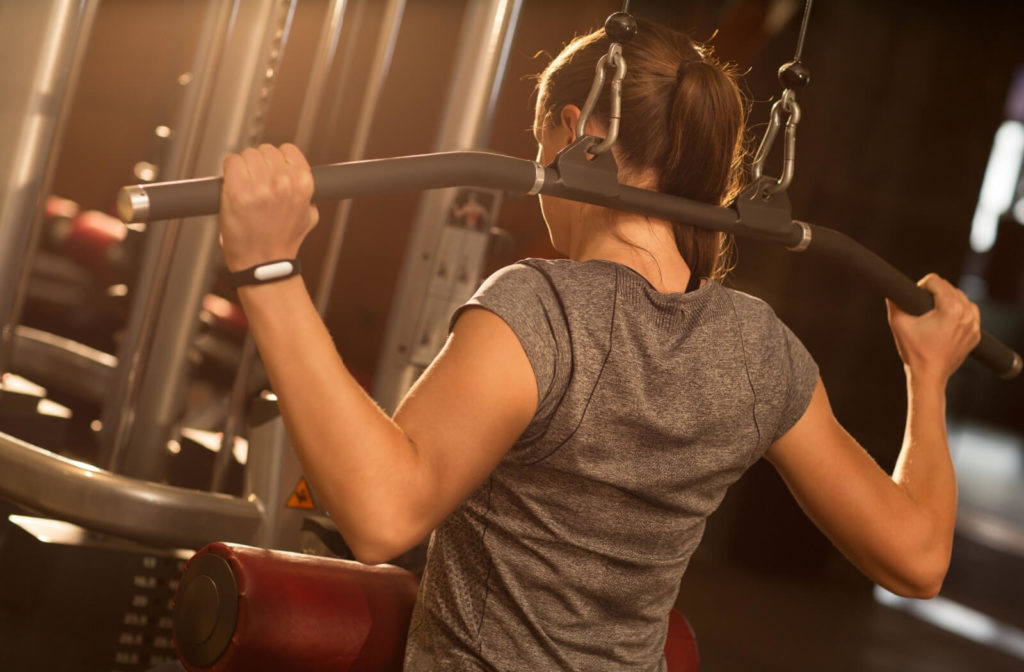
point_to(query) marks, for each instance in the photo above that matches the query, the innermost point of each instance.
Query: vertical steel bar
(390, 27)
(51, 37)
(118, 413)
(311, 104)
(481, 58)
(334, 20)
(346, 61)
(235, 120)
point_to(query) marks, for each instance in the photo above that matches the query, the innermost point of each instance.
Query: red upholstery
(681, 645)
(302, 612)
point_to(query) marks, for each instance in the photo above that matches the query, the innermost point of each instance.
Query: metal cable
(803, 30)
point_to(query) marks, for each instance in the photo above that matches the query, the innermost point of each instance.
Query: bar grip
(904, 292)
(191, 198)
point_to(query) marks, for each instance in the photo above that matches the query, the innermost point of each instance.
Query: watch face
(268, 272)
(273, 271)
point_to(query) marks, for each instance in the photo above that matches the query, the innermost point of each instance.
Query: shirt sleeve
(526, 301)
(782, 372)
(802, 378)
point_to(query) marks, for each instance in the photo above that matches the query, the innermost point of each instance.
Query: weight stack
(76, 601)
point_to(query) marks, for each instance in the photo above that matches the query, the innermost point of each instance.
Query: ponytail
(703, 112)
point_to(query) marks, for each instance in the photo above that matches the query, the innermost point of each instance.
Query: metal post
(273, 475)
(47, 38)
(481, 57)
(367, 112)
(237, 111)
(334, 20)
(308, 113)
(136, 343)
(270, 456)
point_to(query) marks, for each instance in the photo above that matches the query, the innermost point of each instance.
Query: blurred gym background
(912, 107)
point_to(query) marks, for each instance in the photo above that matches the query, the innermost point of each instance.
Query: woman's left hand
(265, 210)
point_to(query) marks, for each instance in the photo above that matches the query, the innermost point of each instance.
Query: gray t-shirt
(650, 405)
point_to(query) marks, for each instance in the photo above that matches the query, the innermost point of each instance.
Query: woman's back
(649, 406)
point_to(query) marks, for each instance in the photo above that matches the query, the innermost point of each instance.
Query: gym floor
(789, 624)
(751, 619)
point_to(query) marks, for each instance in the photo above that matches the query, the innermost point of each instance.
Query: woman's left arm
(898, 530)
(386, 482)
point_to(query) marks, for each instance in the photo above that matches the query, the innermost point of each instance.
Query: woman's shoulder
(525, 286)
(522, 276)
(750, 307)
(549, 275)
(766, 336)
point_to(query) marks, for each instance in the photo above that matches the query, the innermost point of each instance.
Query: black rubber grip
(904, 292)
(191, 198)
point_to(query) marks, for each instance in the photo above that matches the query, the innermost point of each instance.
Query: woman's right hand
(265, 205)
(935, 344)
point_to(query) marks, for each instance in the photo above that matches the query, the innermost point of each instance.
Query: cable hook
(620, 27)
(786, 104)
(615, 59)
(792, 75)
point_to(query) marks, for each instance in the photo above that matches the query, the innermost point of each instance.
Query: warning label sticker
(301, 497)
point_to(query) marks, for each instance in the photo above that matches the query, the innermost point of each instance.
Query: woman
(587, 414)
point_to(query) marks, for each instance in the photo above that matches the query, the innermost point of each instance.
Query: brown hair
(683, 116)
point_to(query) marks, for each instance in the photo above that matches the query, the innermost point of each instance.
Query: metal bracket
(577, 168)
(765, 213)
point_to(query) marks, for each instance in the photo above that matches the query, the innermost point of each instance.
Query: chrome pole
(381, 64)
(481, 58)
(334, 21)
(134, 349)
(311, 104)
(49, 40)
(235, 118)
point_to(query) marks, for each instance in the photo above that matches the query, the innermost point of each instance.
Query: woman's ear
(570, 116)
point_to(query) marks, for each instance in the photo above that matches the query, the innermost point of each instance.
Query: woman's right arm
(387, 482)
(897, 529)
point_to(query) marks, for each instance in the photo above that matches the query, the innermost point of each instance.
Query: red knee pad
(252, 609)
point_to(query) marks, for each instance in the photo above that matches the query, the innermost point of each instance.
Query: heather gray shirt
(650, 405)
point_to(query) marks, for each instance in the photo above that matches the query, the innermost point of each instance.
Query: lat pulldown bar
(573, 176)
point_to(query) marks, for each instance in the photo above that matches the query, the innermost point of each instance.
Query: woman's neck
(643, 244)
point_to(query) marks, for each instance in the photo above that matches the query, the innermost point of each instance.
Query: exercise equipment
(242, 608)
(71, 600)
(50, 36)
(572, 176)
(240, 46)
(141, 386)
(224, 105)
(792, 75)
(423, 300)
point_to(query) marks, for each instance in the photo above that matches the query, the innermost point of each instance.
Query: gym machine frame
(112, 499)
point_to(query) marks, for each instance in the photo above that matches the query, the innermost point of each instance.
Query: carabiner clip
(615, 59)
(789, 105)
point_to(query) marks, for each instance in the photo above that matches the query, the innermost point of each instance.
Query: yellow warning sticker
(301, 497)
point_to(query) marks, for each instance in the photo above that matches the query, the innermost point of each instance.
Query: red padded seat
(240, 608)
